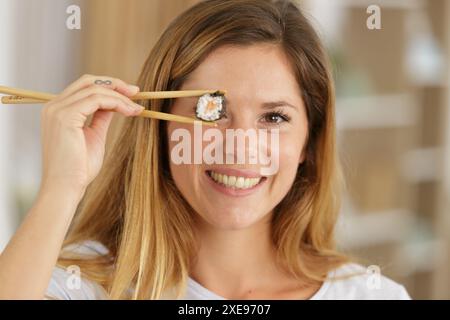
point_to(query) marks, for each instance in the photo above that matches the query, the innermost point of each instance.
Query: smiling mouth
(234, 182)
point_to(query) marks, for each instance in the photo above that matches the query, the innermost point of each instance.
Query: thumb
(100, 122)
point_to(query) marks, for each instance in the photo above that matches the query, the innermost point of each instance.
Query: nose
(238, 116)
(240, 136)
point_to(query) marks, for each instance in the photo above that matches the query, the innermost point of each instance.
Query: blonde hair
(134, 208)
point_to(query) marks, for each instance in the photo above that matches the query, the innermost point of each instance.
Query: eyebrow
(272, 104)
(276, 104)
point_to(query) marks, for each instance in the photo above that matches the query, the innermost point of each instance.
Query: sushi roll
(211, 107)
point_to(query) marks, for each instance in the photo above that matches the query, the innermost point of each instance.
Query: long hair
(134, 208)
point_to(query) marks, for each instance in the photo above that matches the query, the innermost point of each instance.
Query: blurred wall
(40, 54)
(121, 35)
(6, 74)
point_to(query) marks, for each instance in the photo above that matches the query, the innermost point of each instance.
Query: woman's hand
(72, 157)
(72, 151)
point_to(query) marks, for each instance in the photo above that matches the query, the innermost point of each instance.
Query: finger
(109, 82)
(100, 122)
(90, 91)
(76, 114)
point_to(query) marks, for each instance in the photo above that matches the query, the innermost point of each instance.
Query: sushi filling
(211, 107)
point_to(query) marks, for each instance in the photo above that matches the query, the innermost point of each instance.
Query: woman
(149, 228)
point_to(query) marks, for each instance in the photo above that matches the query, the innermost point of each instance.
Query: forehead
(255, 71)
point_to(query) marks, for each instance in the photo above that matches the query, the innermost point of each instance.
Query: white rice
(210, 114)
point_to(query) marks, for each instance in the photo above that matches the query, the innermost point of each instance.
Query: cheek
(290, 155)
(291, 149)
(180, 174)
(185, 177)
(186, 174)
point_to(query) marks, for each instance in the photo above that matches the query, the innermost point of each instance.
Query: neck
(235, 262)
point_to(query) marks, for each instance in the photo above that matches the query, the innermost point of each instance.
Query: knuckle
(95, 89)
(95, 97)
(86, 76)
(104, 92)
(118, 81)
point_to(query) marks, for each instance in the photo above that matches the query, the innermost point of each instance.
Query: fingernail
(138, 108)
(133, 88)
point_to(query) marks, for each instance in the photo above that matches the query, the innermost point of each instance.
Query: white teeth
(240, 182)
(234, 182)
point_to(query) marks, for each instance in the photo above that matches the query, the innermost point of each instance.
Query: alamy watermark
(73, 281)
(262, 148)
(374, 279)
(73, 21)
(373, 22)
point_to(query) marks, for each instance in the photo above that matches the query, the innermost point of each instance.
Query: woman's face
(261, 93)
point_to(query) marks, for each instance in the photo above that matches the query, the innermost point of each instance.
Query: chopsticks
(21, 96)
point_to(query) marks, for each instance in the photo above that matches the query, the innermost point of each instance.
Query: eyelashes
(275, 117)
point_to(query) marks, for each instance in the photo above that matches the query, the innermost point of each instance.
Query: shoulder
(356, 282)
(68, 284)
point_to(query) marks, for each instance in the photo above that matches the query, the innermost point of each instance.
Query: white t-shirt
(361, 286)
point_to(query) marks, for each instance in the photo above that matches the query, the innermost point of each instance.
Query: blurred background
(393, 113)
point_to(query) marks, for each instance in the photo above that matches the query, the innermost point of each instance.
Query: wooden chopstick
(21, 96)
(173, 94)
(20, 100)
(140, 96)
(27, 93)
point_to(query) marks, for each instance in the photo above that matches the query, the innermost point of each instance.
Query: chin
(232, 218)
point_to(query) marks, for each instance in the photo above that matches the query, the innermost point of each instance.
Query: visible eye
(276, 117)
